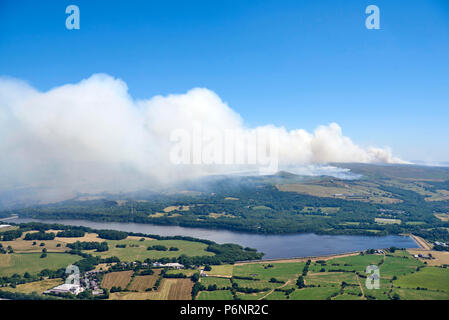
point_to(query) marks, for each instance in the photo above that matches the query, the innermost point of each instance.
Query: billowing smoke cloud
(92, 136)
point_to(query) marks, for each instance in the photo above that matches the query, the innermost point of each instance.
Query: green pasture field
(137, 250)
(347, 297)
(215, 295)
(220, 282)
(397, 266)
(32, 262)
(251, 296)
(432, 278)
(330, 279)
(221, 270)
(316, 293)
(413, 294)
(280, 271)
(256, 284)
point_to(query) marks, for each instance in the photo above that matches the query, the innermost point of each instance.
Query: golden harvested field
(217, 215)
(178, 208)
(442, 216)
(440, 195)
(116, 279)
(180, 289)
(441, 257)
(141, 283)
(132, 296)
(37, 286)
(103, 266)
(170, 289)
(25, 246)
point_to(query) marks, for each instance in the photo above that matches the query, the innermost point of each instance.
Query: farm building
(169, 265)
(4, 226)
(429, 256)
(66, 288)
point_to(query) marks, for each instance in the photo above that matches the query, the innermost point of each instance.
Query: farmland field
(347, 297)
(137, 250)
(330, 278)
(180, 289)
(187, 272)
(353, 263)
(215, 295)
(221, 270)
(32, 263)
(280, 271)
(320, 293)
(441, 257)
(26, 246)
(251, 296)
(141, 283)
(36, 286)
(364, 192)
(432, 278)
(256, 284)
(220, 282)
(116, 279)
(413, 294)
(170, 289)
(396, 266)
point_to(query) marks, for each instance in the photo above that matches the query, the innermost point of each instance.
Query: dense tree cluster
(72, 233)
(40, 235)
(10, 235)
(93, 245)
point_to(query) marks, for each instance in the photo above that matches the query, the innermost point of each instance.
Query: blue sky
(297, 64)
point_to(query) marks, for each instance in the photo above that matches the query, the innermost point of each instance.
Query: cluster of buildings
(443, 244)
(423, 256)
(89, 281)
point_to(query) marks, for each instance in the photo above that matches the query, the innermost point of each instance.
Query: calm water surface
(274, 246)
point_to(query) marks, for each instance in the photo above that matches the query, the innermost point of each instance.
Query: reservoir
(274, 246)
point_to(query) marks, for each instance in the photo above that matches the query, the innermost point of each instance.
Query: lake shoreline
(275, 247)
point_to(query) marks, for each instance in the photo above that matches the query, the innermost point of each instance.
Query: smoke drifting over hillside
(93, 136)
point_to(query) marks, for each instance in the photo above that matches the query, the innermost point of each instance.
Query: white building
(4, 226)
(169, 265)
(66, 288)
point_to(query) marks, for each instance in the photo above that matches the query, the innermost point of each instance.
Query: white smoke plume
(93, 136)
